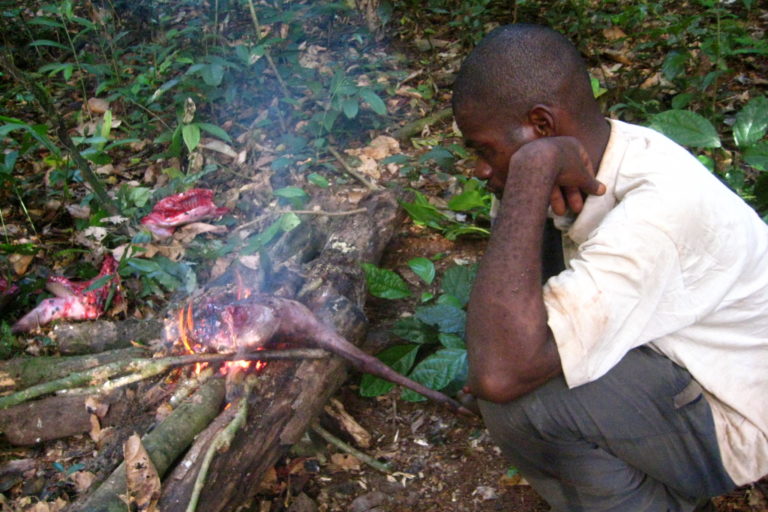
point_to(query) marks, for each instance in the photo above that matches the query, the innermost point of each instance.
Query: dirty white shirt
(671, 258)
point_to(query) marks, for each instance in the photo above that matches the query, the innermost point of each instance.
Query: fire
(189, 335)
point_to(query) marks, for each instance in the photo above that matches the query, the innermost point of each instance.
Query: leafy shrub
(435, 353)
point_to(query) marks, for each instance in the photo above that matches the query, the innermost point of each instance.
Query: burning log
(291, 395)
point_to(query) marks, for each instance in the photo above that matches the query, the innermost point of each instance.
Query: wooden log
(164, 444)
(103, 335)
(56, 417)
(23, 372)
(291, 395)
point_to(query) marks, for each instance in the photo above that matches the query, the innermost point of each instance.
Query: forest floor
(439, 462)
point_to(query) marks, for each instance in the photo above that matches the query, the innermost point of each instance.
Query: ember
(74, 300)
(228, 323)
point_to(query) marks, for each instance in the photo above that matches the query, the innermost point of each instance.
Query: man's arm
(511, 348)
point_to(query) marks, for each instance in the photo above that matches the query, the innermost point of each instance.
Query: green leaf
(289, 221)
(451, 340)
(674, 64)
(191, 135)
(686, 128)
(373, 100)
(437, 371)
(423, 268)
(318, 180)
(142, 265)
(100, 282)
(384, 283)
(447, 319)
(215, 131)
(473, 196)
(350, 107)
(400, 358)
(46, 42)
(751, 122)
(291, 193)
(457, 281)
(212, 74)
(412, 329)
(757, 156)
(597, 89)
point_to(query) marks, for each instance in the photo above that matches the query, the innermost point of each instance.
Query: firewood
(291, 395)
(164, 444)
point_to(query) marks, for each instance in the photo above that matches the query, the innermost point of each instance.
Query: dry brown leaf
(188, 232)
(621, 56)
(651, 81)
(143, 483)
(345, 461)
(220, 147)
(20, 263)
(98, 105)
(82, 480)
(382, 147)
(614, 33)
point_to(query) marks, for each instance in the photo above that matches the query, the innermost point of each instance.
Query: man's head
(520, 83)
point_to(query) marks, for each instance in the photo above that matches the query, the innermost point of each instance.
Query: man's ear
(542, 119)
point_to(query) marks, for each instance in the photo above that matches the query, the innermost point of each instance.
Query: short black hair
(518, 66)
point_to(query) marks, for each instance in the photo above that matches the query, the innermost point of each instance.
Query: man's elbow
(497, 390)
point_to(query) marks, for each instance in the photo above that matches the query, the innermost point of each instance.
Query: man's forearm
(511, 350)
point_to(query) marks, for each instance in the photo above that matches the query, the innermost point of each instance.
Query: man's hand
(572, 172)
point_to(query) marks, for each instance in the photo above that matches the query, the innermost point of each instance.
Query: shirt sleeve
(624, 289)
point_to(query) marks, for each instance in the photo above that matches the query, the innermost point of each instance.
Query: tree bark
(290, 395)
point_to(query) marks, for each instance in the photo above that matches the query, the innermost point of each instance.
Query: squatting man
(636, 378)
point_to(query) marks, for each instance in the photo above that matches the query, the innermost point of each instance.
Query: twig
(305, 212)
(415, 127)
(221, 442)
(353, 172)
(341, 445)
(98, 377)
(326, 213)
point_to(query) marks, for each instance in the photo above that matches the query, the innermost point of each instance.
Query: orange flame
(186, 324)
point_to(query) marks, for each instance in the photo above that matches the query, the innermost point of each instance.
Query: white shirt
(671, 258)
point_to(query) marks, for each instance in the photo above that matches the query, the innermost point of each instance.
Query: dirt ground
(441, 462)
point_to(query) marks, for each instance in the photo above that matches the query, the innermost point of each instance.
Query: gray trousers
(639, 439)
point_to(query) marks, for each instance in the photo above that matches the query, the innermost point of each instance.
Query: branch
(98, 377)
(164, 444)
(338, 443)
(221, 442)
(353, 172)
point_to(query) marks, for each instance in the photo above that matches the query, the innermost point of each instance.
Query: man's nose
(483, 171)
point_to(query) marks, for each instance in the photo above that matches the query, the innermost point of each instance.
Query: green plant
(463, 211)
(435, 353)
(745, 166)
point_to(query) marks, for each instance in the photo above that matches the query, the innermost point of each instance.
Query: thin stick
(353, 172)
(327, 213)
(221, 442)
(98, 377)
(305, 212)
(341, 445)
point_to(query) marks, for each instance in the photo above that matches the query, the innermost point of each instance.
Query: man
(634, 380)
